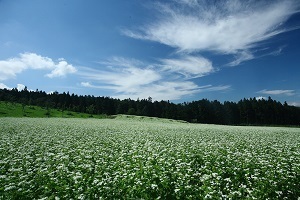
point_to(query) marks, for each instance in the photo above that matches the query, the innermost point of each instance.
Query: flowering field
(150, 159)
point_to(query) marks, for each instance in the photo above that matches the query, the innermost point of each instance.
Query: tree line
(244, 112)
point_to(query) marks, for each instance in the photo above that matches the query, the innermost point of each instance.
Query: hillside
(9, 109)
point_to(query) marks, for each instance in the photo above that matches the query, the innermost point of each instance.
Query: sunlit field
(144, 158)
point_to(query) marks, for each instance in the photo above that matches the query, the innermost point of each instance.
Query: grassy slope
(8, 109)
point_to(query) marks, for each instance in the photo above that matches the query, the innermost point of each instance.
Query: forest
(244, 112)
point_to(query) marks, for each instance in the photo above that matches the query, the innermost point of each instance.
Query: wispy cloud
(130, 78)
(210, 88)
(225, 27)
(241, 57)
(122, 74)
(87, 84)
(163, 90)
(189, 66)
(11, 67)
(277, 92)
(277, 52)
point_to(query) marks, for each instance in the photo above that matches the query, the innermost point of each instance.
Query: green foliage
(133, 157)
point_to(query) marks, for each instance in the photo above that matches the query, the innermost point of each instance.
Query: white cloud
(11, 67)
(226, 27)
(61, 69)
(278, 92)
(261, 98)
(130, 78)
(102, 86)
(51, 92)
(86, 84)
(189, 66)
(297, 104)
(35, 61)
(20, 87)
(3, 86)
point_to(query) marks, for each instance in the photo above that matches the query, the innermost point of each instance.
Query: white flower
(154, 186)
(176, 190)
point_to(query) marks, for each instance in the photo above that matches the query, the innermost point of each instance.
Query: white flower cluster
(127, 159)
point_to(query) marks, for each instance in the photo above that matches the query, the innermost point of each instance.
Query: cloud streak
(225, 27)
(11, 67)
(277, 92)
(241, 57)
(189, 66)
(130, 78)
(122, 74)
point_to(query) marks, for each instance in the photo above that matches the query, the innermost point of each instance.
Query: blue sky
(178, 50)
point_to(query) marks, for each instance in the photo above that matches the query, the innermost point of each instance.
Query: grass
(8, 109)
(145, 158)
(145, 119)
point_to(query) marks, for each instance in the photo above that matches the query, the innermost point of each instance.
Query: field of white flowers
(132, 159)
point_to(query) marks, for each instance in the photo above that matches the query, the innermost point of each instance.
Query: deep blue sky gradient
(90, 35)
